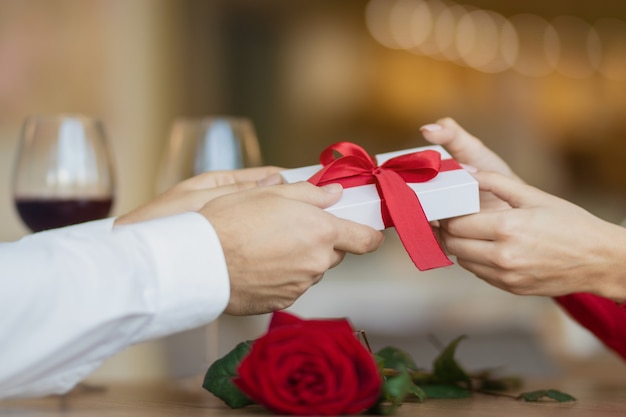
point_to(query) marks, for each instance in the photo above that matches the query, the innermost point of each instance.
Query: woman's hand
(472, 153)
(524, 240)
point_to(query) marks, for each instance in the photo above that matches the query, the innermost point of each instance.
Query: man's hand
(278, 241)
(193, 193)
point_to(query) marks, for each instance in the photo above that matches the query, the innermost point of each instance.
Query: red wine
(43, 214)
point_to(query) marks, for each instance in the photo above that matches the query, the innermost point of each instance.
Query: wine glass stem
(212, 341)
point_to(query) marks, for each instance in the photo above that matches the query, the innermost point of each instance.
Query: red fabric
(351, 166)
(601, 316)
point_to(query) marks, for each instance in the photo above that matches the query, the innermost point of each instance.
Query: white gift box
(450, 194)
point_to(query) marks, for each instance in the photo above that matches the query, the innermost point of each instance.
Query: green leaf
(446, 391)
(218, 379)
(538, 395)
(417, 392)
(395, 358)
(446, 370)
(395, 389)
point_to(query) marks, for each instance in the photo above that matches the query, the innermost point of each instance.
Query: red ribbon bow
(400, 207)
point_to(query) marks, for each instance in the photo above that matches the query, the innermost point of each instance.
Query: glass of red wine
(63, 173)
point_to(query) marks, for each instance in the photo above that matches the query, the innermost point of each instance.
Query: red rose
(310, 367)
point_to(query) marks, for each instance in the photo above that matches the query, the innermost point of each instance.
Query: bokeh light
(490, 42)
(612, 35)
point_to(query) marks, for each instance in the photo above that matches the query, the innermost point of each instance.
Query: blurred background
(543, 83)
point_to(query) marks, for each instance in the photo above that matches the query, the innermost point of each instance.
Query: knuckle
(508, 226)
(517, 284)
(326, 232)
(504, 258)
(450, 227)
(317, 264)
(365, 243)
(244, 185)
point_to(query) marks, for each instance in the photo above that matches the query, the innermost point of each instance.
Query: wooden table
(600, 390)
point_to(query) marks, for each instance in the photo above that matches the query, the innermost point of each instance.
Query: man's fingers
(337, 258)
(306, 192)
(202, 196)
(349, 236)
(357, 238)
(213, 179)
(255, 174)
(273, 179)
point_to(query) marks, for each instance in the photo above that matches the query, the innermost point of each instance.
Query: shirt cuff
(191, 285)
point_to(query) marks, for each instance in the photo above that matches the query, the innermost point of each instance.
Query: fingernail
(273, 179)
(469, 168)
(333, 188)
(433, 127)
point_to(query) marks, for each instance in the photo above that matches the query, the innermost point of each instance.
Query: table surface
(600, 390)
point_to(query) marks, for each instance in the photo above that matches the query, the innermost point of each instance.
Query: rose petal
(282, 318)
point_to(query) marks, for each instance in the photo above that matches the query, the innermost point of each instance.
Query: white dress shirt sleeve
(72, 297)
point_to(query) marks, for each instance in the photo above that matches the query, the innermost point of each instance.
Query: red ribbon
(351, 166)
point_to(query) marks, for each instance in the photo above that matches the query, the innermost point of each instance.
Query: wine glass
(196, 145)
(212, 143)
(63, 176)
(63, 173)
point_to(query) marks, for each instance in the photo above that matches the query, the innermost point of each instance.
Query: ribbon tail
(410, 221)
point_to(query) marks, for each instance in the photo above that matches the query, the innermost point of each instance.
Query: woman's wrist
(611, 279)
